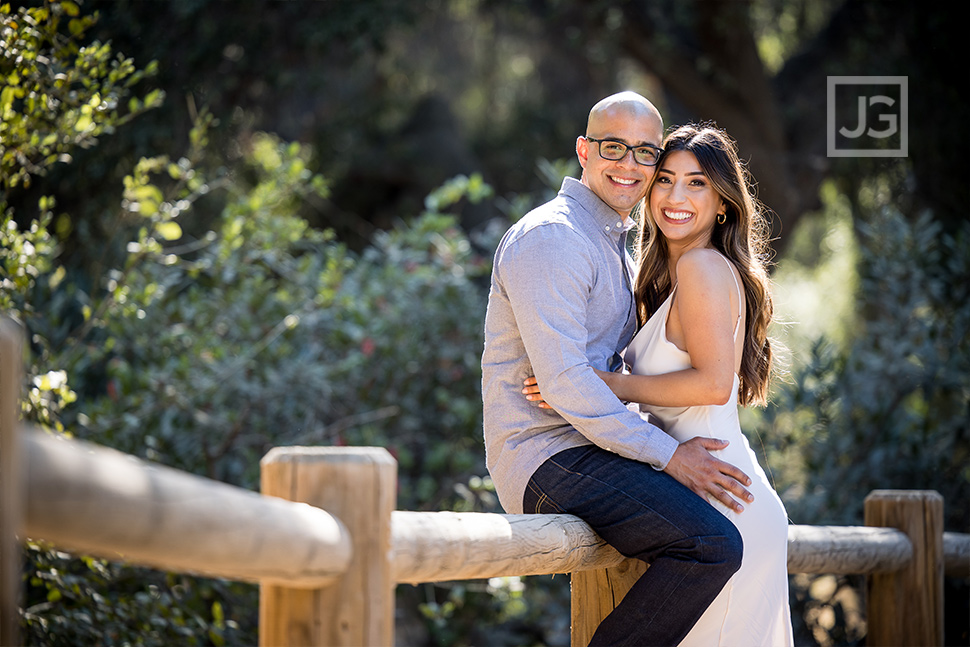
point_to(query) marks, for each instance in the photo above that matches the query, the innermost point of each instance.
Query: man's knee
(726, 547)
(735, 548)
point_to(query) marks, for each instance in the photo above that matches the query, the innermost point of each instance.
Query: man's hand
(693, 465)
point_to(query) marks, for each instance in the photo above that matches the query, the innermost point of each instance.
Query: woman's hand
(532, 393)
(606, 376)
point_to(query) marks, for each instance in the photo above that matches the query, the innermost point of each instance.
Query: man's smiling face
(621, 184)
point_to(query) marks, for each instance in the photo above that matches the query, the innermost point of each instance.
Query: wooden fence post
(595, 593)
(905, 607)
(11, 487)
(358, 486)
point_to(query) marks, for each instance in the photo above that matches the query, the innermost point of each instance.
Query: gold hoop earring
(721, 218)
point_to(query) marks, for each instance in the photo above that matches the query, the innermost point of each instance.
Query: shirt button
(607, 228)
(619, 224)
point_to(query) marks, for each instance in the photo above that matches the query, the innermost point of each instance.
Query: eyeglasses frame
(626, 148)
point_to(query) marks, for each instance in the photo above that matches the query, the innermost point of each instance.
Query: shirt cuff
(664, 449)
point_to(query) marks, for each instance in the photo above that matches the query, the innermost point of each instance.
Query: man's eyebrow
(623, 141)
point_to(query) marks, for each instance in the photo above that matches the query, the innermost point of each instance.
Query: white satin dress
(752, 609)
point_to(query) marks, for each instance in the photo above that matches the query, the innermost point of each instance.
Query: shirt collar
(604, 218)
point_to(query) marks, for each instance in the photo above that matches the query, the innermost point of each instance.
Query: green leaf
(148, 192)
(58, 276)
(169, 230)
(7, 96)
(84, 123)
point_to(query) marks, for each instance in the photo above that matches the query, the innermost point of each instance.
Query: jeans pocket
(535, 501)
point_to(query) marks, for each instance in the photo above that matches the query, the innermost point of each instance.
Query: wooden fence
(327, 546)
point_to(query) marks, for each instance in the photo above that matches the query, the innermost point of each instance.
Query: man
(561, 303)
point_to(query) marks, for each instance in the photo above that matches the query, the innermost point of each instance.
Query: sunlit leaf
(169, 230)
(84, 123)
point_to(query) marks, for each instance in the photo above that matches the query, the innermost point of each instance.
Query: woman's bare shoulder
(705, 265)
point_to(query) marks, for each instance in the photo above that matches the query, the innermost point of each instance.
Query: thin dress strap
(737, 324)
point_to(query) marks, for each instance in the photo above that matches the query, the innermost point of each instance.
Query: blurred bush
(220, 323)
(204, 354)
(878, 393)
(887, 405)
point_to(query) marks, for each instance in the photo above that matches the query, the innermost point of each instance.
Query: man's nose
(627, 160)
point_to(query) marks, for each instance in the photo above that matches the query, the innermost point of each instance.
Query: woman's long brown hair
(743, 239)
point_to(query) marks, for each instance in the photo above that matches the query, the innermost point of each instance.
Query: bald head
(627, 103)
(629, 120)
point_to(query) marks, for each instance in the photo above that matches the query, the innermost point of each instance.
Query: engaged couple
(575, 330)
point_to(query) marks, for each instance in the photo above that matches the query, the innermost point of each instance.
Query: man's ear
(582, 150)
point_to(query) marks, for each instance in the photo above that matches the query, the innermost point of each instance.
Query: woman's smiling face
(683, 202)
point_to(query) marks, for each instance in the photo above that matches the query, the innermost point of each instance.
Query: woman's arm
(702, 323)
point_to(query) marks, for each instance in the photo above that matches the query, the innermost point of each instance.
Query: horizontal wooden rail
(101, 502)
(323, 584)
(438, 546)
(479, 545)
(956, 554)
(846, 549)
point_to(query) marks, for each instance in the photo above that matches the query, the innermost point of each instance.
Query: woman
(703, 300)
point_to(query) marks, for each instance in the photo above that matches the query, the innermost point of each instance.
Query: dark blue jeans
(692, 549)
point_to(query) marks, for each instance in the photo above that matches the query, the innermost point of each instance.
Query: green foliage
(72, 601)
(202, 351)
(457, 188)
(218, 321)
(262, 333)
(271, 333)
(888, 408)
(57, 94)
(878, 394)
(26, 255)
(501, 611)
(205, 353)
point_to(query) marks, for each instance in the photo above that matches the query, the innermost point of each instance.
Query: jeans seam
(542, 498)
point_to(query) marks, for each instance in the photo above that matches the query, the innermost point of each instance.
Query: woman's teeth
(678, 215)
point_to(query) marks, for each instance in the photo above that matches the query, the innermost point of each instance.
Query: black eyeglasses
(610, 149)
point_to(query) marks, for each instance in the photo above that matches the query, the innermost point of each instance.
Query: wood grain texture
(11, 486)
(905, 607)
(97, 501)
(594, 594)
(956, 554)
(358, 484)
(438, 546)
(846, 549)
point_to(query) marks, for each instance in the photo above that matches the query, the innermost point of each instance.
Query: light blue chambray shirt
(560, 304)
